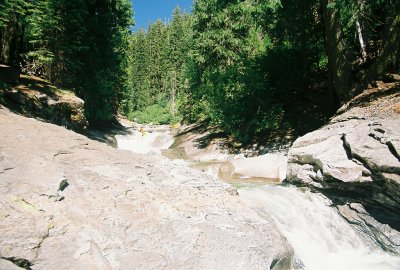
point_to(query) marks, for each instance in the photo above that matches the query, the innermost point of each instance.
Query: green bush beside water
(155, 114)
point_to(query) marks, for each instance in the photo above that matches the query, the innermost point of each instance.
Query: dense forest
(75, 44)
(249, 66)
(157, 58)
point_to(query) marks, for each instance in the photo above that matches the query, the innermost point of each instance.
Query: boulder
(270, 166)
(328, 159)
(354, 160)
(44, 101)
(389, 78)
(16, 97)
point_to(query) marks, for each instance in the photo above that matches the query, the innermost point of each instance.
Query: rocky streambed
(320, 236)
(354, 160)
(67, 202)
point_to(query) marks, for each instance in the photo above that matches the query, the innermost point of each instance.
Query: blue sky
(150, 10)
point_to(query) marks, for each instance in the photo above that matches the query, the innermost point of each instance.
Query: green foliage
(155, 71)
(11, 8)
(226, 67)
(104, 82)
(55, 31)
(155, 114)
(243, 64)
(76, 44)
(4, 85)
(371, 15)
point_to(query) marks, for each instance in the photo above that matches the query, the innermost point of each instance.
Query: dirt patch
(379, 99)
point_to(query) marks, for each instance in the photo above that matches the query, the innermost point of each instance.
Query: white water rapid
(149, 141)
(321, 238)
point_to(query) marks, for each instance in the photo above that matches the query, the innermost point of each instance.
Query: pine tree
(140, 71)
(156, 36)
(104, 80)
(228, 42)
(56, 33)
(157, 59)
(82, 44)
(12, 27)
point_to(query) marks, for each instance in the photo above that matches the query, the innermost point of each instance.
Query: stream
(320, 237)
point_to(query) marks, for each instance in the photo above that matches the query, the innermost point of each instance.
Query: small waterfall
(319, 236)
(151, 141)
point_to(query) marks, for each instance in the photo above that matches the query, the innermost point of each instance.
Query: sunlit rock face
(355, 161)
(67, 202)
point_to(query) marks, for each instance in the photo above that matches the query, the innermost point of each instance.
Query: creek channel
(320, 237)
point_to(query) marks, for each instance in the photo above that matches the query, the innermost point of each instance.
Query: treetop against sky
(147, 11)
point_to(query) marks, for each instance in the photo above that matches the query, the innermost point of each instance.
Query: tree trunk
(338, 65)
(388, 59)
(7, 40)
(1, 45)
(362, 43)
(364, 55)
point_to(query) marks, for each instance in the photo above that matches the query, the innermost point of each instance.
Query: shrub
(155, 114)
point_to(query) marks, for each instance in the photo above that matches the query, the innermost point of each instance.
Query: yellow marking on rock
(24, 204)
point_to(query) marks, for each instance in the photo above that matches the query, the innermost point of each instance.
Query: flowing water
(321, 238)
(149, 141)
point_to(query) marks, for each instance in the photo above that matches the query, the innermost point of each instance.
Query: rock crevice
(355, 160)
(20, 263)
(120, 209)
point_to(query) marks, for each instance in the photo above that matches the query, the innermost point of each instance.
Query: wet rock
(233, 191)
(281, 263)
(270, 166)
(378, 234)
(298, 264)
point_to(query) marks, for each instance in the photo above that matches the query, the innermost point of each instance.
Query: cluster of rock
(355, 161)
(80, 204)
(34, 97)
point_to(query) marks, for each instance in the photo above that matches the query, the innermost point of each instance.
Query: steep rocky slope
(355, 160)
(33, 96)
(67, 202)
